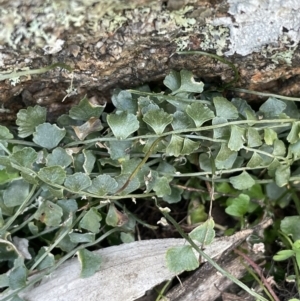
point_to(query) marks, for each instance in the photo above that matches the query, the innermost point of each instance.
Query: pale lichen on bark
(258, 23)
(118, 43)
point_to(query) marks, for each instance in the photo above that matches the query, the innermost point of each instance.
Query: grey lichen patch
(182, 43)
(36, 24)
(215, 38)
(50, 25)
(61, 26)
(179, 16)
(258, 23)
(281, 52)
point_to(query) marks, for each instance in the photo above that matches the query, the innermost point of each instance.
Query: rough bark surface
(113, 44)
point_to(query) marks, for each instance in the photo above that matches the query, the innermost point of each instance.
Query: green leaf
(119, 150)
(253, 138)
(181, 258)
(295, 149)
(187, 83)
(296, 246)
(291, 109)
(80, 238)
(68, 206)
(279, 148)
(123, 124)
(172, 80)
(237, 139)
(33, 228)
(123, 101)
(297, 255)
(242, 181)
(272, 107)
(166, 168)
(17, 277)
(7, 177)
(293, 136)
(49, 214)
(239, 206)
(16, 193)
(225, 108)
(174, 196)
(189, 146)
(222, 132)
(25, 157)
(102, 185)
(181, 121)
(30, 178)
(181, 146)
(243, 107)
(86, 110)
(91, 221)
(256, 192)
(255, 161)
(133, 185)
(283, 255)
(128, 166)
(127, 237)
(225, 158)
(47, 262)
(270, 136)
(5, 162)
(65, 121)
(162, 187)
(15, 166)
(205, 162)
(268, 149)
(59, 157)
(28, 119)
(150, 107)
(196, 212)
(114, 217)
(199, 113)
(52, 174)
(282, 175)
(90, 263)
(204, 233)
(175, 145)
(158, 120)
(4, 280)
(159, 147)
(5, 133)
(272, 167)
(290, 226)
(65, 244)
(146, 104)
(225, 188)
(48, 135)
(77, 182)
(250, 116)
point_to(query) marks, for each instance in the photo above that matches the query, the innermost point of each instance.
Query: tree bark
(111, 43)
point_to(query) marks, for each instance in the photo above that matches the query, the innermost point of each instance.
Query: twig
(259, 272)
